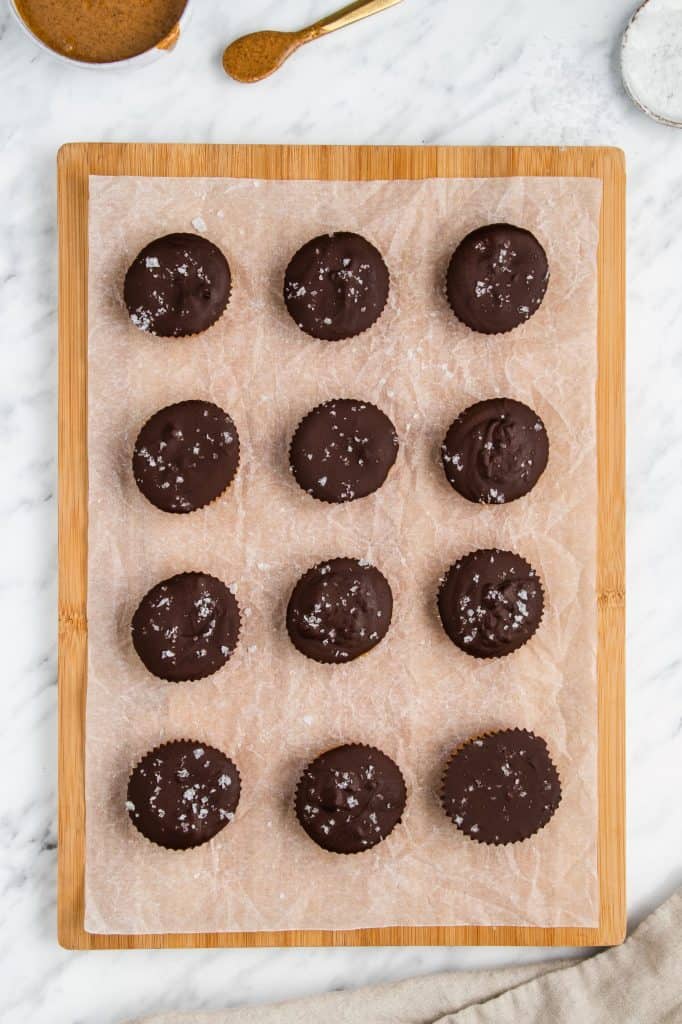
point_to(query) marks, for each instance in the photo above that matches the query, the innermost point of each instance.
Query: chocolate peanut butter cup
(182, 793)
(343, 450)
(350, 798)
(497, 278)
(336, 286)
(186, 456)
(495, 451)
(178, 285)
(339, 610)
(501, 787)
(186, 627)
(490, 603)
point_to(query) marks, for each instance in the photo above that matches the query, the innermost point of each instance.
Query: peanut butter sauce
(99, 31)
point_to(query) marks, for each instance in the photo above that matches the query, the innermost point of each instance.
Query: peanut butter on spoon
(255, 56)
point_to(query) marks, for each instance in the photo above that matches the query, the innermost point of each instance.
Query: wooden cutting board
(75, 163)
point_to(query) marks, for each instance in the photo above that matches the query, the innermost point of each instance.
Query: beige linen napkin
(639, 982)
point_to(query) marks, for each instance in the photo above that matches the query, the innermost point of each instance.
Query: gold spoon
(257, 55)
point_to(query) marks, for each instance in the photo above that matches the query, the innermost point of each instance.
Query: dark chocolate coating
(495, 451)
(497, 278)
(182, 794)
(490, 603)
(502, 787)
(186, 627)
(336, 286)
(186, 455)
(343, 450)
(339, 610)
(350, 798)
(179, 284)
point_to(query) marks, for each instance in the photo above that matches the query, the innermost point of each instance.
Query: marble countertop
(430, 71)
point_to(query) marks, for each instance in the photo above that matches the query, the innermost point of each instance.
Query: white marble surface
(431, 71)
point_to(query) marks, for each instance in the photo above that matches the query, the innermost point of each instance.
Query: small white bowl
(644, 105)
(163, 48)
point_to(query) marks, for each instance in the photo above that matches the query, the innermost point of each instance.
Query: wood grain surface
(75, 163)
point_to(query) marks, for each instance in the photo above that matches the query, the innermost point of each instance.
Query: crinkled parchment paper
(416, 695)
